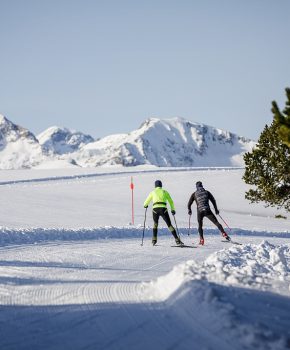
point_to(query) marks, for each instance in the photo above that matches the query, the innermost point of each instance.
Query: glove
(189, 212)
(145, 206)
(217, 212)
(173, 212)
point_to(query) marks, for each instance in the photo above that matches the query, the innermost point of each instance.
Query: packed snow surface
(73, 273)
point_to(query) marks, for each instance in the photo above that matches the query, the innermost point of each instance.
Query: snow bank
(15, 236)
(250, 265)
(34, 235)
(242, 292)
(11, 236)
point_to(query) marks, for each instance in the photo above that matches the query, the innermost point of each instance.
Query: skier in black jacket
(202, 198)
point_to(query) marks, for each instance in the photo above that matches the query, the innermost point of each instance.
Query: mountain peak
(60, 140)
(18, 146)
(3, 120)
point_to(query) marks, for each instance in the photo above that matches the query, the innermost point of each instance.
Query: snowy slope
(73, 274)
(102, 197)
(18, 147)
(168, 142)
(58, 140)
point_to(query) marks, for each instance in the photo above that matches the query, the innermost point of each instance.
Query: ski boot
(154, 241)
(179, 242)
(226, 236)
(201, 241)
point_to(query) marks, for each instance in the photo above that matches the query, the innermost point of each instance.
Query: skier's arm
(148, 200)
(211, 198)
(170, 201)
(191, 200)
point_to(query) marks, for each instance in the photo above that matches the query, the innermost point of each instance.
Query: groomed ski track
(88, 295)
(90, 290)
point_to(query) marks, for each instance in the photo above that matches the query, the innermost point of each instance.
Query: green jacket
(159, 196)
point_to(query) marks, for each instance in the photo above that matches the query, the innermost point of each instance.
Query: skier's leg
(200, 217)
(166, 218)
(214, 220)
(155, 225)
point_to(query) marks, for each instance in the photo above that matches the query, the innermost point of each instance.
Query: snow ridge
(31, 235)
(227, 285)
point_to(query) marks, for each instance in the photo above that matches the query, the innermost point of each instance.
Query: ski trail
(113, 173)
(60, 290)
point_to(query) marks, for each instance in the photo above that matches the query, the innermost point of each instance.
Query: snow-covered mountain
(58, 140)
(19, 148)
(164, 143)
(167, 143)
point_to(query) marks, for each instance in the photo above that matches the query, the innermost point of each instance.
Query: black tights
(163, 212)
(208, 214)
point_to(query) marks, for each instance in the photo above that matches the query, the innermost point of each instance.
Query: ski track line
(57, 293)
(122, 173)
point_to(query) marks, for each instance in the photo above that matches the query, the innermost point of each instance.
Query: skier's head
(198, 184)
(158, 183)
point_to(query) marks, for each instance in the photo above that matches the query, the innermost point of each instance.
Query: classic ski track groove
(37, 261)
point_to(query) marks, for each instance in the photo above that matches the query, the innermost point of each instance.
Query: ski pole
(178, 235)
(225, 223)
(189, 224)
(144, 227)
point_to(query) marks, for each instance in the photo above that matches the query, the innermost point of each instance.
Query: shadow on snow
(200, 315)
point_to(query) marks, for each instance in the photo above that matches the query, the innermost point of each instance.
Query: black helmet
(158, 183)
(198, 184)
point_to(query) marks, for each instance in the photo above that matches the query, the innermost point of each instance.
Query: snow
(60, 140)
(221, 283)
(18, 147)
(73, 274)
(261, 266)
(172, 142)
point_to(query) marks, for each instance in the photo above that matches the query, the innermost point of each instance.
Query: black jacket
(202, 198)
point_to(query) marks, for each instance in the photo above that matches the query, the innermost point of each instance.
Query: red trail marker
(132, 198)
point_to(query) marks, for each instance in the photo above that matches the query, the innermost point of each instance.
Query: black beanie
(158, 183)
(198, 184)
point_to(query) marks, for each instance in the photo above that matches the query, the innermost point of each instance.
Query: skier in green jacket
(160, 197)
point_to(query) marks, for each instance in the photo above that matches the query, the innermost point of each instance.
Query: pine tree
(267, 168)
(283, 119)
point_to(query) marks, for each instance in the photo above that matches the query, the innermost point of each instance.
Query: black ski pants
(163, 212)
(210, 215)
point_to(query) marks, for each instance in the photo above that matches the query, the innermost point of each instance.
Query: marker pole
(132, 198)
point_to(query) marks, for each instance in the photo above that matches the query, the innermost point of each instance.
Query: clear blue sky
(104, 66)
